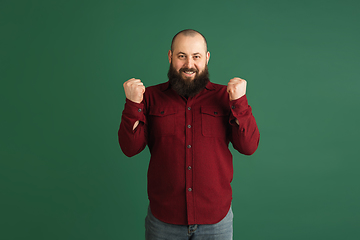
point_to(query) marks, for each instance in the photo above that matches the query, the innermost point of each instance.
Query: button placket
(189, 162)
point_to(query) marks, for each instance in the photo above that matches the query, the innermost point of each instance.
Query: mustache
(188, 70)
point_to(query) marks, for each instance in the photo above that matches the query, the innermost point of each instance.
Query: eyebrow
(197, 53)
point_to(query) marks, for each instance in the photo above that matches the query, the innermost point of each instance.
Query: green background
(62, 66)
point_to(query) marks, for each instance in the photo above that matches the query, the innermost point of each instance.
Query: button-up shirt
(191, 167)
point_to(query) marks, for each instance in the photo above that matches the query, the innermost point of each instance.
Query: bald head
(188, 33)
(188, 55)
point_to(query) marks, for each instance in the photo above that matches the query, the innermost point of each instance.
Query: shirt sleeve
(245, 135)
(132, 141)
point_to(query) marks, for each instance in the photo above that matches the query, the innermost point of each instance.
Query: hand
(236, 88)
(134, 90)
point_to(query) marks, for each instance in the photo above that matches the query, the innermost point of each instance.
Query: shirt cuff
(134, 111)
(239, 108)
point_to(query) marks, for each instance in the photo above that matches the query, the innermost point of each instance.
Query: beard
(184, 86)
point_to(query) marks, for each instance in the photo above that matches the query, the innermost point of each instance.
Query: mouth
(189, 72)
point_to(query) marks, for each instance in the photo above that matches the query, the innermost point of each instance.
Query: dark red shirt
(191, 167)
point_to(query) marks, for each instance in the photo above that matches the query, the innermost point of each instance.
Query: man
(187, 124)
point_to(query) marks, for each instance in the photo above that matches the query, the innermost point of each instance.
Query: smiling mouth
(189, 72)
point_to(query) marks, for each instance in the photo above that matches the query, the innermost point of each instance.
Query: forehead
(189, 44)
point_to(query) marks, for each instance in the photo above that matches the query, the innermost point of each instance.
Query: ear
(169, 56)
(207, 57)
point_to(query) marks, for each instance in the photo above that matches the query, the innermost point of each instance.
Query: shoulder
(156, 91)
(217, 87)
(158, 87)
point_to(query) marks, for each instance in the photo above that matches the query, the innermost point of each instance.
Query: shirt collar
(165, 86)
(210, 86)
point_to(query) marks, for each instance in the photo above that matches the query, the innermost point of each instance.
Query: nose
(189, 63)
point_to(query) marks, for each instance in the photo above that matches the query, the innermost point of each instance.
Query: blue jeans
(158, 230)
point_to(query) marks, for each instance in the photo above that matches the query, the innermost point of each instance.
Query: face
(189, 57)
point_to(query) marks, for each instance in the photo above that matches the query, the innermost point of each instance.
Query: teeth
(189, 72)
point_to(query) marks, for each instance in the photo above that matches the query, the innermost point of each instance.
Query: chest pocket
(162, 121)
(214, 121)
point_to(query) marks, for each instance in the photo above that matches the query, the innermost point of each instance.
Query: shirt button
(233, 107)
(188, 146)
(139, 110)
(189, 189)
(189, 126)
(189, 167)
(189, 108)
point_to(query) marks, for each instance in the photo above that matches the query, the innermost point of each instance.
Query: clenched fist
(134, 90)
(236, 88)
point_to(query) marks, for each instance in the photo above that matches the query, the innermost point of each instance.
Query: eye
(196, 57)
(181, 56)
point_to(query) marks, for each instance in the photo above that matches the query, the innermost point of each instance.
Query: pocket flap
(162, 111)
(213, 111)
